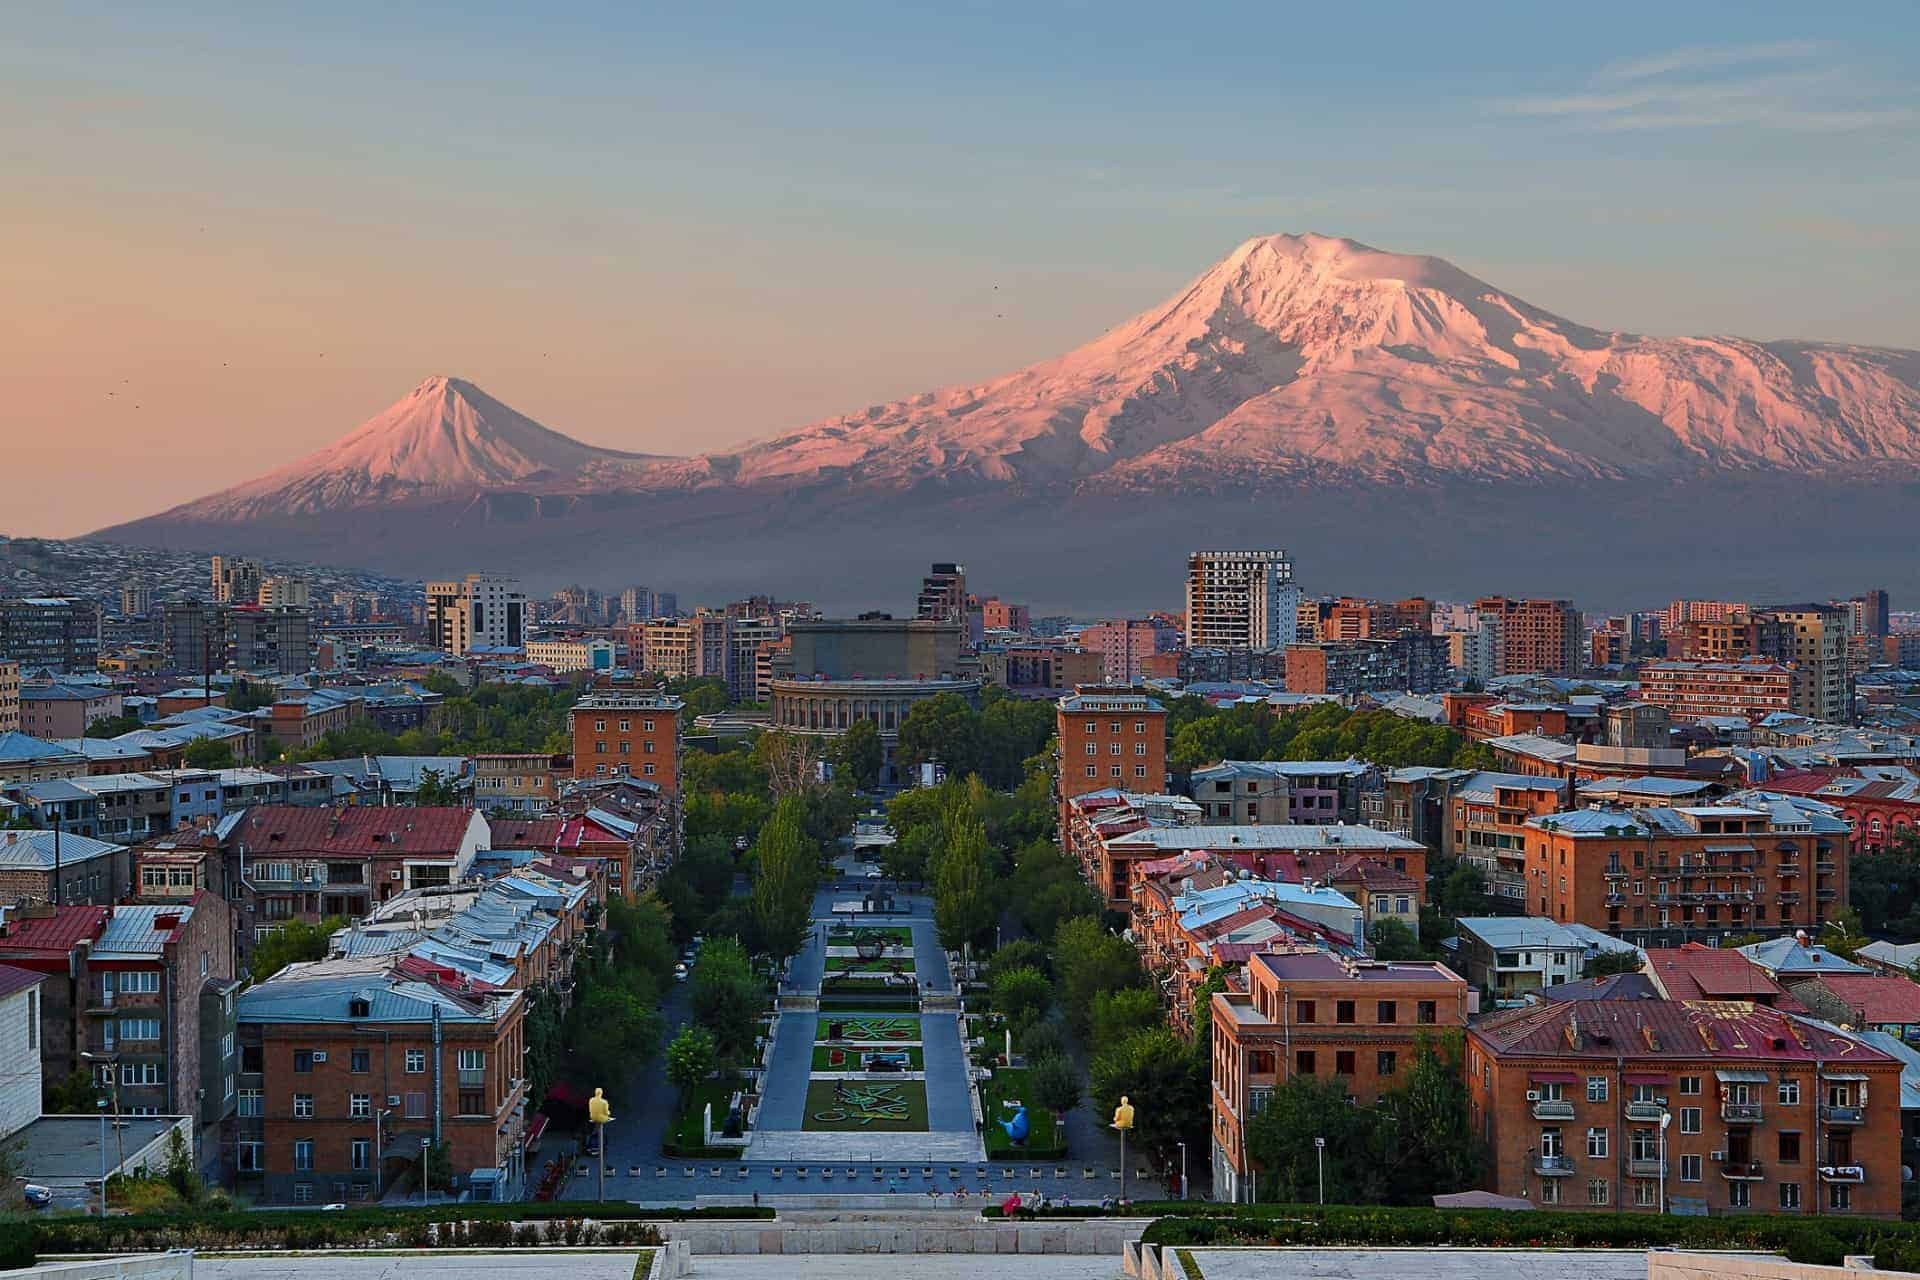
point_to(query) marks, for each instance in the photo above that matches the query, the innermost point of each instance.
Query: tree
(207, 753)
(1020, 995)
(690, 1058)
(1055, 1083)
(1393, 940)
(1426, 1141)
(1161, 1075)
(1281, 1142)
(435, 790)
(1613, 961)
(858, 755)
(1041, 1041)
(113, 726)
(78, 1094)
(293, 941)
(727, 999)
(695, 886)
(942, 729)
(1018, 954)
(1464, 892)
(641, 933)
(963, 906)
(1118, 1014)
(790, 762)
(1884, 888)
(613, 1034)
(788, 869)
(1088, 960)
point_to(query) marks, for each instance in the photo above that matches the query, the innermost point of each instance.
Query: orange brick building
(1752, 689)
(1308, 1013)
(1110, 737)
(1535, 635)
(1664, 876)
(1770, 1113)
(634, 732)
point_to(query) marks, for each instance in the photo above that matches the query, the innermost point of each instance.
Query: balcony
(1648, 1111)
(1788, 869)
(1843, 1173)
(1553, 1166)
(1616, 900)
(1826, 895)
(1645, 1167)
(1789, 899)
(1843, 1115)
(1741, 1112)
(1741, 1170)
(1553, 1109)
(1826, 867)
(472, 1077)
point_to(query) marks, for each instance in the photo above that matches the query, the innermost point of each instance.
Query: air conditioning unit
(319, 1055)
(1718, 1156)
(393, 875)
(1533, 1095)
(393, 1099)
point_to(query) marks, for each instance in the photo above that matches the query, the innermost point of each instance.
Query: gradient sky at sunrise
(672, 228)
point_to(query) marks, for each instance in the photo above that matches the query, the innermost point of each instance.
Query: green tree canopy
(207, 753)
(1088, 960)
(727, 998)
(1162, 1076)
(858, 754)
(787, 869)
(1393, 940)
(435, 789)
(293, 941)
(963, 901)
(1020, 995)
(690, 1058)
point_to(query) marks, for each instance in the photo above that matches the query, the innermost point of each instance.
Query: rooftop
(1289, 836)
(1681, 1030)
(271, 829)
(35, 850)
(1321, 966)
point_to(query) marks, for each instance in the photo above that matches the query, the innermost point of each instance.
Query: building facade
(1534, 635)
(1241, 600)
(1110, 738)
(636, 733)
(477, 611)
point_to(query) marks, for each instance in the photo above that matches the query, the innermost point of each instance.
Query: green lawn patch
(1041, 1143)
(854, 964)
(898, 935)
(686, 1137)
(826, 1058)
(876, 1029)
(866, 1106)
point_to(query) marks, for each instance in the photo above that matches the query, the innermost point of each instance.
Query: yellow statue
(1123, 1115)
(600, 1111)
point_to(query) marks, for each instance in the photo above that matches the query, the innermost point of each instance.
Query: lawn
(854, 964)
(686, 1136)
(826, 1058)
(878, 1029)
(1040, 1140)
(897, 935)
(866, 1106)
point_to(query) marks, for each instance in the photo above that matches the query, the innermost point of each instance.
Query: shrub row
(1821, 1240)
(16, 1246)
(442, 1226)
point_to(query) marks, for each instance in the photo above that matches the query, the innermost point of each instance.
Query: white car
(680, 973)
(875, 873)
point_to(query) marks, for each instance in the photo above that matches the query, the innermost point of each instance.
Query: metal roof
(133, 932)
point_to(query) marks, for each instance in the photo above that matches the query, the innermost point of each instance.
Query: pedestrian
(756, 1199)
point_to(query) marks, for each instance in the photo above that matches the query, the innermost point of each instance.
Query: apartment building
(1311, 1014)
(1752, 688)
(1407, 662)
(1241, 600)
(64, 711)
(1110, 737)
(61, 867)
(628, 732)
(351, 1069)
(1534, 635)
(479, 611)
(1763, 1112)
(1514, 956)
(274, 639)
(235, 579)
(1264, 792)
(1001, 615)
(1125, 647)
(1486, 818)
(943, 594)
(51, 632)
(9, 696)
(1814, 638)
(517, 782)
(1661, 876)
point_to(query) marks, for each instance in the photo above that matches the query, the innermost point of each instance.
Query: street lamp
(1320, 1157)
(1183, 1171)
(1666, 1118)
(426, 1145)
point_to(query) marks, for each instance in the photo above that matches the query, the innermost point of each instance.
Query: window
(473, 1102)
(416, 1062)
(1549, 1191)
(362, 1154)
(1646, 1191)
(303, 1193)
(1343, 1062)
(139, 1028)
(252, 1103)
(303, 1154)
(140, 983)
(1689, 1168)
(1790, 1195)
(1139, 771)
(303, 1061)
(1093, 771)
(303, 1106)
(1597, 1145)
(1789, 1147)
(1690, 1084)
(1598, 1191)
(1304, 1010)
(599, 726)
(360, 1106)
(1303, 1062)
(1093, 748)
(1386, 1011)
(416, 1106)
(140, 1073)
(646, 726)
(1740, 1195)
(1427, 1012)
(1343, 1011)
(1596, 1088)
(249, 1157)
(626, 726)
(1551, 1143)
(1839, 1197)
(1689, 1119)
(1789, 1093)
(1387, 1062)
(361, 1061)
(646, 770)
(1116, 771)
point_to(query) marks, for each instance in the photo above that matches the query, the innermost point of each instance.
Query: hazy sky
(675, 227)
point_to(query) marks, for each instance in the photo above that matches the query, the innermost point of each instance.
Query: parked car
(875, 873)
(36, 1196)
(680, 973)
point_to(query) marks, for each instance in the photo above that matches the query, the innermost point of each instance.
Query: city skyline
(252, 248)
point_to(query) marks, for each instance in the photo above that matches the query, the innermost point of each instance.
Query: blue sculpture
(1017, 1127)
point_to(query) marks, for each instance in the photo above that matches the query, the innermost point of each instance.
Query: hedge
(1822, 1240)
(16, 1246)
(434, 1226)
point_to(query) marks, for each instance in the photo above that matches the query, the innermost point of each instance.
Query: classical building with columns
(830, 707)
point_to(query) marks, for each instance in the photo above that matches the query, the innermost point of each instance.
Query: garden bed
(1041, 1144)
(866, 1106)
(884, 965)
(898, 935)
(829, 1058)
(686, 1137)
(870, 1030)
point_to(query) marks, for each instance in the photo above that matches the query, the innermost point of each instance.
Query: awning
(1731, 848)
(1553, 1077)
(1645, 1077)
(1744, 1077)
(536, 1129)
(1843, 1075)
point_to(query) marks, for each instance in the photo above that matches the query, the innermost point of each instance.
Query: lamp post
(1666, 1118)
(1320, 1157)
(101, 1103)
(1123, 1121)
(426, 1172)
(1183, 1171)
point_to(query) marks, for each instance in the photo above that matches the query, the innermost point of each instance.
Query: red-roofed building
(55, 941)
(1770, 1113)
(291, 862)
(1865, 1001)
(1696, 972)
(1878, 808)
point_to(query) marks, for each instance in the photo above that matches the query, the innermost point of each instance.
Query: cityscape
(757, 643)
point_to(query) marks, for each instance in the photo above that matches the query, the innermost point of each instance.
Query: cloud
(1788, 85)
